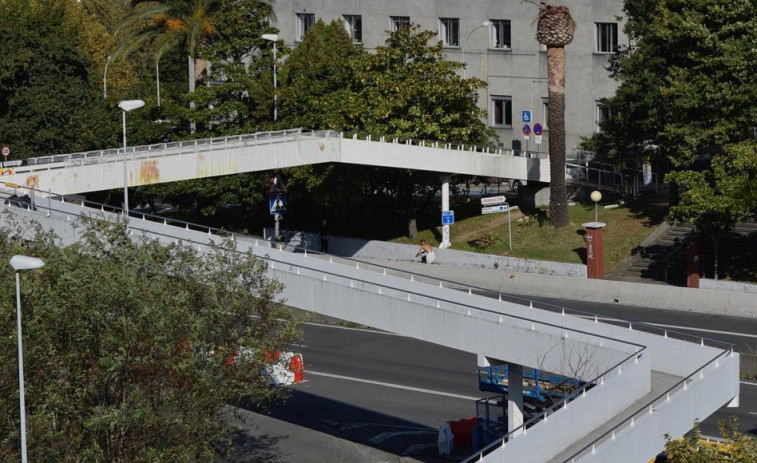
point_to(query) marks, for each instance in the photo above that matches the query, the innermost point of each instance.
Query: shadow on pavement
(359, 425)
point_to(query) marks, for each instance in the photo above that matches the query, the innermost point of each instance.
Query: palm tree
(555, 29)
(168, 25)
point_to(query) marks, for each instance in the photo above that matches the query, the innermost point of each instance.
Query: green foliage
(46, 102)
(239, 94)
(734, 448)
(406, 89)
(126, 347)
(687, 96)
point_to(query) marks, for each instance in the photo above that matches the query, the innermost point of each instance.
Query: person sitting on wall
(426, 252)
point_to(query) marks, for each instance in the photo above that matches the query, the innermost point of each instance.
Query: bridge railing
(177, 147)
(725, 348)
(180, 147)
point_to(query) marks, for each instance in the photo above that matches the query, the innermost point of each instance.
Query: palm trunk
(558, 194)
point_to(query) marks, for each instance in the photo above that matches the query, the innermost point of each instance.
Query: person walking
(323, 237)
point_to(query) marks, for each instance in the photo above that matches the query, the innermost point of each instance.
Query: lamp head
(596, 196)
(486, 23)
(128, 105)
(270, 37)
(20, 263)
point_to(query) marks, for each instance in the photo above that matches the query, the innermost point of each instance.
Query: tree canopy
(688, 98)
(127, 347)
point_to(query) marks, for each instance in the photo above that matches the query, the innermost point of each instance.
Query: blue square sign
(448, 217)
(526, 116)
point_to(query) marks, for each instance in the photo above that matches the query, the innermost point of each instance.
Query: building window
(399, 22)
(501, 34)
(304, 22)
(354, 25)
(601, 114)
(502, 111)
(449, 31)
(607, 37)
(544, 112)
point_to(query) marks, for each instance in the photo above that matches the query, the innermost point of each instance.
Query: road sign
(525, 116)
(448, 217)
(6, 151)
(538, 129)
(537, 139)
(492, 200)
(277, 203)
(526, 129)
(494, 209)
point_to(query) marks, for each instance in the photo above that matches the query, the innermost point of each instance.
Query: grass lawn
(534, 238)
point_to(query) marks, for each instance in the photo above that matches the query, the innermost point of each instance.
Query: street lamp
(273, 38)
(105, 77)
(465, 44)
(19, 264)
(126, 106)
(596, 196)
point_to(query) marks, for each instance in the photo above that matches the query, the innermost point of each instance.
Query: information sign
(492, 200)
(448, 217)
(525, 116)
(494, 209)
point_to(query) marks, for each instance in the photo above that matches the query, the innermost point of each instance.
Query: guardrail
(180, 147)
(358, 264)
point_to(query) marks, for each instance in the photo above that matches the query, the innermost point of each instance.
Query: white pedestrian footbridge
(68, 174)
(645, 382)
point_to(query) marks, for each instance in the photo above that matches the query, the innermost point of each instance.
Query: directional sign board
(492, 200)
(525, 116)
(448, 217)
(494, 209)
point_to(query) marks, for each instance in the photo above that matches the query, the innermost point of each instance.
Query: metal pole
(157, 80)
(126, 178)
(275, 101)
(509, 228)
(105, 78)
(22, 403)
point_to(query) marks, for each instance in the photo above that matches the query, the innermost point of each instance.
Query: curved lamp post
(273, 38)
(465, 44)
(126, 106)
(19, 264)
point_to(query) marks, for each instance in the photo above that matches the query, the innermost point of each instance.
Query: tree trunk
(558, 194)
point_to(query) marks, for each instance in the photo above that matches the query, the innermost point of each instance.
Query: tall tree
(687, 95)
(128, 347)
(406, 89)
(47, 103)
(555, 29)
(170, 25)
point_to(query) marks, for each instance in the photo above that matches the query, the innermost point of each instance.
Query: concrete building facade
(497, 41)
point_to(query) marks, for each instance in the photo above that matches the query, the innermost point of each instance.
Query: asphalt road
(377, 397)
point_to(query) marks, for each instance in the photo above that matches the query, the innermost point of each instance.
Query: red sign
(537, 129)
(6, 150)
(526, 129)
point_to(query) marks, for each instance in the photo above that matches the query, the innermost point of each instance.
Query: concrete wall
(530, 277)
(725, 285)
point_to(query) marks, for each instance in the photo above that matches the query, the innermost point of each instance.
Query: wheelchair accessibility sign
(277, 203)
